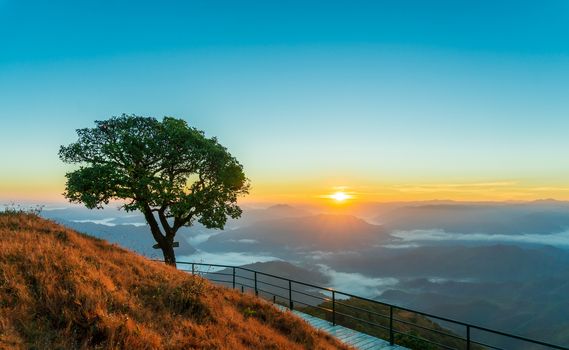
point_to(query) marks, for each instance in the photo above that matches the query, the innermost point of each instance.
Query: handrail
(334, 293)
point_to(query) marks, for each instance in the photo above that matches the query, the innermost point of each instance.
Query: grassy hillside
(60, 289)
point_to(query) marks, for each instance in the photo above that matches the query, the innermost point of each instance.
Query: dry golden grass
(63, 290)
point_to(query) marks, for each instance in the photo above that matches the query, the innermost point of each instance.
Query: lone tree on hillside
(167, 170)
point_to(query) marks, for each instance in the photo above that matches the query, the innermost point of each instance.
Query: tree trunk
(165, 242)
(168, 251)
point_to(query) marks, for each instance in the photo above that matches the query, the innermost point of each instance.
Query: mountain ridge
(61, 289)
(330, 232)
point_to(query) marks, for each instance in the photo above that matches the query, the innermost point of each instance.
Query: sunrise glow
(368, 117)
(340, 196)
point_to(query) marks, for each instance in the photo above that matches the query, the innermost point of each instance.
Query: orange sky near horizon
(373, 101)
(319, 192)
(45, 182)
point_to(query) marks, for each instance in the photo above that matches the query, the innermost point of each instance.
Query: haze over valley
(497, 264)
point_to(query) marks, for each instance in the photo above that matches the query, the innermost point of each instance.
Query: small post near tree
(170, 172)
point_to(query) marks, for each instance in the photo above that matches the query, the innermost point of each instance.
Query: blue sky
(392, 99)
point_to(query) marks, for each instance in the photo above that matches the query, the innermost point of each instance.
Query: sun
(340, 196)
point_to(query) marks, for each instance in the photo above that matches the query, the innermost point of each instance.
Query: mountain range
(497, 264)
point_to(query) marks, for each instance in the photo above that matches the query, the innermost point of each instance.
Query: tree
(167, 170)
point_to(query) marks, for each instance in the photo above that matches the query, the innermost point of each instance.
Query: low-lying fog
(500, 265)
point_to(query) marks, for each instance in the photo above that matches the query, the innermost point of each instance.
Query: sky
(385, 100)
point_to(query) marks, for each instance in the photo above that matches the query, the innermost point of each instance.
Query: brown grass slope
(63, 290)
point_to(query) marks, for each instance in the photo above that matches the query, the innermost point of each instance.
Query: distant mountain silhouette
(277, 211)
(540, 217)
(514, 285)
(136, 238)
(499, 262)
(318, 232)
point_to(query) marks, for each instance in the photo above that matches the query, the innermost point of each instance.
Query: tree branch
(164, 221)
(179, 222)
(154, 228)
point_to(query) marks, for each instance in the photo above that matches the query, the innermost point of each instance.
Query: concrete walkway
(347, 336)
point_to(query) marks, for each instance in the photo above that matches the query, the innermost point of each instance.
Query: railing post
(290, 304)
(256, 290)
(391, 333)
(333, 308)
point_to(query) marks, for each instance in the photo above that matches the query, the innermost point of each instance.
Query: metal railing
(398, 325)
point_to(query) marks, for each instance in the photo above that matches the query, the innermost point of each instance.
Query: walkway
(347, 336)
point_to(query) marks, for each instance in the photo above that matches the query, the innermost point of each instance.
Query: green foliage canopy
(163, 168)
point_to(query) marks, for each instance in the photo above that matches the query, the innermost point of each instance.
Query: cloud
(549, 189)
(109, 222)
(319, 254)
(456, 187)
(243, 240)
(47, 208)
(401, 246)
(248, 241)
(137, 224)
(560, 239)
(106, 221)
(228, 258)
(356, 283)
(441, 280)
(199, 238)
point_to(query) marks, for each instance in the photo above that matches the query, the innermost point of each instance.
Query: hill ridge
(62, 289)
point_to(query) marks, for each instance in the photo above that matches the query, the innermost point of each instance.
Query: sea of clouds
(411, 239)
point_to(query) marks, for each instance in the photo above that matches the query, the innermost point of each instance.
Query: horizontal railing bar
(559, 347)
(426, 340)
(243, 278)
(346, 294)
(221, 281)
(217, 273)
(318, 307)
(361, 320)
(313, 286)
(271, 293)
(245, 285)
(429, 329)
(399, 332)
(201, 264)
(258, 272)
(360, 309)
(337, 292)
(445, 319)
(315, 306)
(486, 345)
(296, 301)
(310, 295)
(273, 285)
